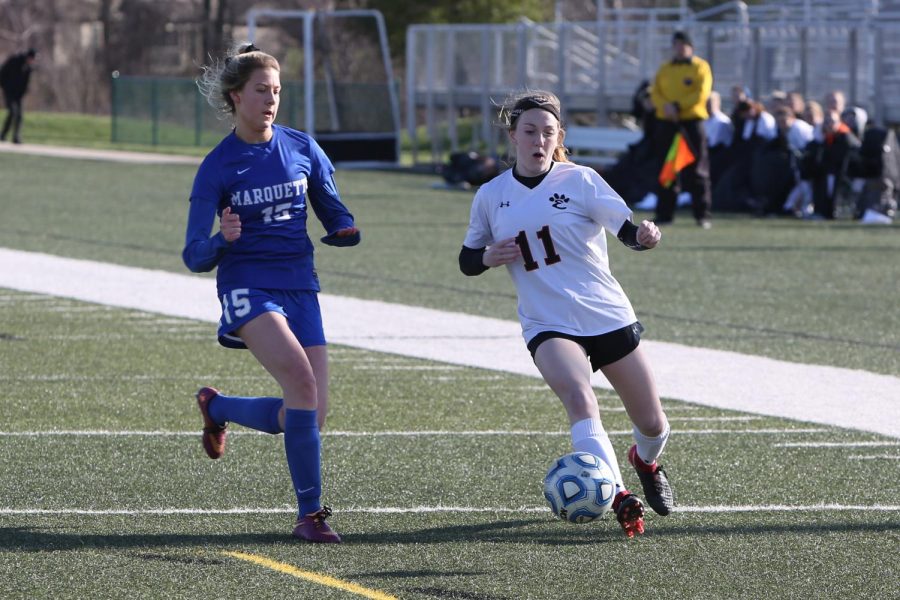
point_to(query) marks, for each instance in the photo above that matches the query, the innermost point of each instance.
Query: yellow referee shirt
(687, 83)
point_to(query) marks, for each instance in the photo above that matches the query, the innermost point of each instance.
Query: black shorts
(603, 349)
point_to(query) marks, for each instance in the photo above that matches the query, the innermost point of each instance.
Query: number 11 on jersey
(543, 234)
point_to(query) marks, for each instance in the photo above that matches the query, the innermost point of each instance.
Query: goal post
(345, 80)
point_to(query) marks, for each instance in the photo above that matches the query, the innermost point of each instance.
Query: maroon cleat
(629, 512)
(213, 433)
(657, 489)
(313, 528)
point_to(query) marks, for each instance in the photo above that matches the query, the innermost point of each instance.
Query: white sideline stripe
(835, 444)
(790, 508)
(144, 158)
(825, 395)
(437, 509)
(485, 432)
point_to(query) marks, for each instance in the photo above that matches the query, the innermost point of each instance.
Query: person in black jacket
(634, 174)
(14, 76)
(825, 164)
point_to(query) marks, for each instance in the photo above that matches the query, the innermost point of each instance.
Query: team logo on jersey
(270, 193)
(559, 201)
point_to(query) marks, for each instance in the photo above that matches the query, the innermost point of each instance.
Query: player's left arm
(326, 201)
(639, 237)
(604, 206)
(337, 220)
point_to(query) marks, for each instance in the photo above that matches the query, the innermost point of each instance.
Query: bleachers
(598, 145)
(594, 66)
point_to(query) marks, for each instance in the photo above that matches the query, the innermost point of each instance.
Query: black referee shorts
(603, 349)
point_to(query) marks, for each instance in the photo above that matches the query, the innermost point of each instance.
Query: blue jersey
(270, 187)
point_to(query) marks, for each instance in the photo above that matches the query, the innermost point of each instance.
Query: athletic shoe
(655, 482)
(629, 512)
(313, 528)
(213, 433)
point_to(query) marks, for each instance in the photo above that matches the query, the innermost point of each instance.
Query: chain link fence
(168, 111)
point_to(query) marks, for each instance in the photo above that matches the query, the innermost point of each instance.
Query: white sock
(650, 448)
(588, 435)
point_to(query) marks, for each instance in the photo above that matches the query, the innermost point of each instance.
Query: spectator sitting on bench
(776, 168)
(633, 175)
(733, 192)
(719, 133)
(825, 164)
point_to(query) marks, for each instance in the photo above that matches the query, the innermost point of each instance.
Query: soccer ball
(579, 487)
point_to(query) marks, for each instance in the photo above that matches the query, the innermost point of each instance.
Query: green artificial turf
(107, 493)
(812, 292)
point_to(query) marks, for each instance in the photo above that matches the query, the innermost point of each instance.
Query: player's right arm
(480, 252)
(201, 252)
(502, 252)
(475, 261)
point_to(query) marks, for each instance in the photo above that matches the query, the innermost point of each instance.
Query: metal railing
(456, 71)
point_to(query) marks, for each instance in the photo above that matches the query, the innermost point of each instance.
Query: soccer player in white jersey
(260, 181)
(545, 219)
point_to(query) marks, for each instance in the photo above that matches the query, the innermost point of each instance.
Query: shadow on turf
(436, 592)
(531, 531)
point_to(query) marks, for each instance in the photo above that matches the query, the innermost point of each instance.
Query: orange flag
(678, 157)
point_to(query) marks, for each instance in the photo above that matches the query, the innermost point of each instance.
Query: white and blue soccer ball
(579, 487)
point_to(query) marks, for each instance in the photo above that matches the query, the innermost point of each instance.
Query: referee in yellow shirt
(679, 94)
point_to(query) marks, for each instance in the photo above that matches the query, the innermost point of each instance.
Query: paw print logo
(559, 201)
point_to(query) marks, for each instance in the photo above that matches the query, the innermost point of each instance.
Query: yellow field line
(319, 578)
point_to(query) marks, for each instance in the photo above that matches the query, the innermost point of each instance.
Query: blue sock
(304, 449)
(256, 413)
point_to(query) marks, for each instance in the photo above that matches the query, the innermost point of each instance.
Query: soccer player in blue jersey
(260, 181)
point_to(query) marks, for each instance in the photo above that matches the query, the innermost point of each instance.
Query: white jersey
(719, 129)
(563, 282)
(799, 135)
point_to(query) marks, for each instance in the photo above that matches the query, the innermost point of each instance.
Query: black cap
(681, 36)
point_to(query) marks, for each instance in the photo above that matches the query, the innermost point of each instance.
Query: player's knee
(579, 403)
(299, 386)
(652, 425)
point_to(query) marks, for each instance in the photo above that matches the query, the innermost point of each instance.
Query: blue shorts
(299, 307)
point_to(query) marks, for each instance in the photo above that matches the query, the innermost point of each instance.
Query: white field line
(437, 509)
(811, 393)
(875, 457)
(722, 419)
(374, 367)
(424, 433)
(836, 444)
